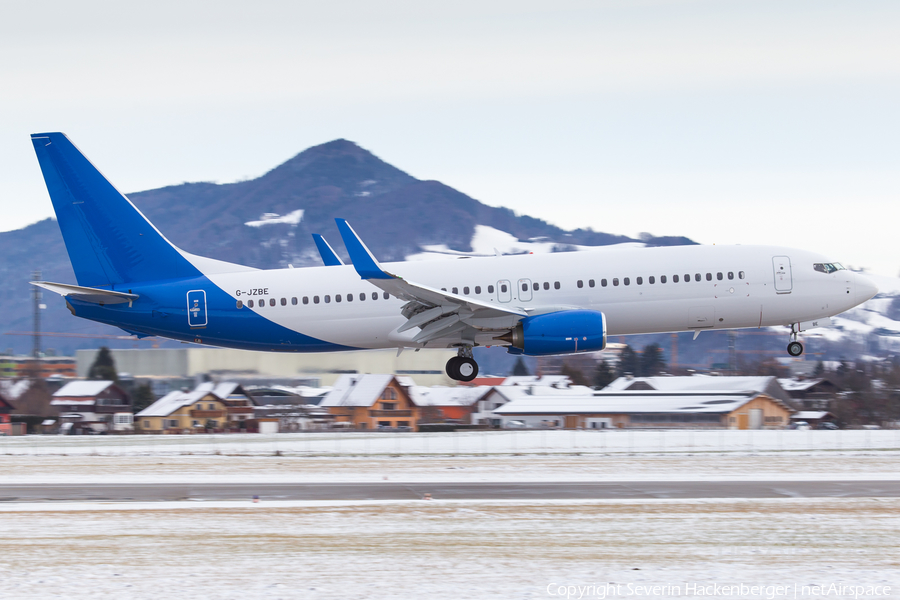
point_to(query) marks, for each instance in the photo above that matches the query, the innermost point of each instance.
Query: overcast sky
(748, 122)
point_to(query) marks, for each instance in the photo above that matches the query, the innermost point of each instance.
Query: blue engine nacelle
(564, 332)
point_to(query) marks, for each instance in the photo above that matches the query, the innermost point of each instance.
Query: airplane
(130, 276)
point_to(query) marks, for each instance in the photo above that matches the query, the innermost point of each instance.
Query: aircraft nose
(865, 289)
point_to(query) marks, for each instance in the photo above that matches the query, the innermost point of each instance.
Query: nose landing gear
(795, 348)
(463, 367)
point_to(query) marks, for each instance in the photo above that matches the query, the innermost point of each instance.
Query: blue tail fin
(108, 239)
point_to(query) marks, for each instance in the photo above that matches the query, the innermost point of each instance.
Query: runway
(388, 490)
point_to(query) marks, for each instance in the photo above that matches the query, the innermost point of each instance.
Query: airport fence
(509, 442)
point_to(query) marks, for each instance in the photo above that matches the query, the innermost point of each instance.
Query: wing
(329, 256)
(438, 314)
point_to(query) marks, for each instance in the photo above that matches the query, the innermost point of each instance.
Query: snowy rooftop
(172, 401)
(356, 390)
(82, 388)
(693, 383)
(810, 415)
(447, 396)
(796, 385)
(627, 403)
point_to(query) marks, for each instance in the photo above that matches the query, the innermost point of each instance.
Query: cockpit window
(828, 267)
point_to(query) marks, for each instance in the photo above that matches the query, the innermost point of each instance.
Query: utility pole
(36, 297)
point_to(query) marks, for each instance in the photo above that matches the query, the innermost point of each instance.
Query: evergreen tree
(629, 363)
(575, 375)
(652, 362)
(820, 369)
(520, 369)
(104, 367)
(142, 397)
(603, 375)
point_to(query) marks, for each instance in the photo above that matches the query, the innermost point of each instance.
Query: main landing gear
(463, 367)
(795, 348)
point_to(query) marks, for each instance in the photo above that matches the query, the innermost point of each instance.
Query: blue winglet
(329, 256)
(363, 261)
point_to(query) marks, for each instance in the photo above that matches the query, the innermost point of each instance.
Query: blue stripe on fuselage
(161, 310)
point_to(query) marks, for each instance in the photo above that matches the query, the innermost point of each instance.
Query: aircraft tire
(467, 369)
(453, 368)
(795, 348)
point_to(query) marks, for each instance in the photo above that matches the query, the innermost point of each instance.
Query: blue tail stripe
(108, 240)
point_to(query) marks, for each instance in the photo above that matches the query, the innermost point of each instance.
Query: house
(372, 402)
(209, 406)
(648, 409)
(702, 383)
(814, 418)
(811, 394)
(93, 406)
(7, 427)
(447, 404)
(518, 387)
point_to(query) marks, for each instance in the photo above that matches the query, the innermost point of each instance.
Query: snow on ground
(452, 550)
(292, 218)
(469, 456)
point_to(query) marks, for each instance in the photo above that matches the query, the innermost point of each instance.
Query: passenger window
(535, 286)
(546, 285)
(327, 299)
(651, 280)
(315, 299)
(374, 295)
(503, 288)
(709, 276)
(697, 277)
(337, 297)
(294, 301)
(730, 274)
(250, 303)
(626, 281)
(240, 304)
(271, 301)
(640, 281)
(386, 295)
(675, 278)
(556, 285)
(615, 281)
(284, 301)
(662, 279)
(590, 283)
(305, 299)
(466, 290)
(443, 289)
(455, 290)
(603, 282)
(349, 297)
(740, 274)
(580, 284)
(719, 276)
(524, 287)
(362, 297)
(490, 289)
(687, 277)
(477, 289)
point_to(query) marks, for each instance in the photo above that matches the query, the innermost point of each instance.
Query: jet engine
(564, 332)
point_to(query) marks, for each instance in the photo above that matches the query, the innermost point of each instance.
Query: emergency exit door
(196, 307)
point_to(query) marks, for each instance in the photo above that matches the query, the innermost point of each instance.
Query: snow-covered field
(449, 550)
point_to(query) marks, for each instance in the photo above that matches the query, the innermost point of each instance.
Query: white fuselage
(647, 290)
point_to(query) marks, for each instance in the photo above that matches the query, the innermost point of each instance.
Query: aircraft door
(525, 290)
(504, 290)
(196, 306)
(783, 278)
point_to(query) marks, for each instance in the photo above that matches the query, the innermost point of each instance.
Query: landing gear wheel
(795, 348)
(453, 368)
(467, 369)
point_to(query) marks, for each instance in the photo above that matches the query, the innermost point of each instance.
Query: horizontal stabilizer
(329, 256)
(87, 294)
